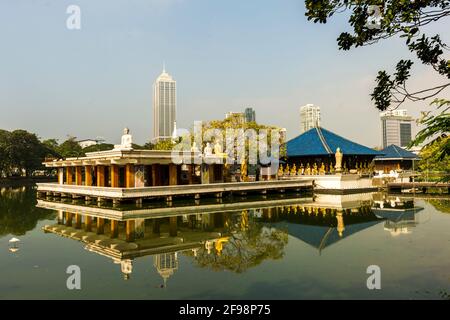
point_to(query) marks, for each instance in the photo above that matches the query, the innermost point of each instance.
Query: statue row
(360, 168)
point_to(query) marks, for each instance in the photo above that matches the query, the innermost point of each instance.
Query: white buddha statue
(218, 148)
(208, 150)
(127, 141)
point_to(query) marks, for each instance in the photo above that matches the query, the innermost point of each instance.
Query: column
(61, 175)
(114, 176)
(78, 221)
(88, 175)
(100, 176)
(129, 176)
(69, 175)
(114, 228)
(100, 225)
(155, 175)
(130, 226)
(88, 223)
(78, 176)
(173, 176)
(173, 226)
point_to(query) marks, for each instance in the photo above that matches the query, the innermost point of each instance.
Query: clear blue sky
(225, 55)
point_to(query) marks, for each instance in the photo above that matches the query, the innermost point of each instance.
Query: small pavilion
(313, 153)
(395, 158)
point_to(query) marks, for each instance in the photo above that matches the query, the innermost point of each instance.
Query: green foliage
(98, 147)
(24, 151)
(70, 148)
(403, 18)
(162, 145)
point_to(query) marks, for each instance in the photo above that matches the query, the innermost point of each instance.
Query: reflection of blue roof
(321, 237)
(395, 152)
(319, 142)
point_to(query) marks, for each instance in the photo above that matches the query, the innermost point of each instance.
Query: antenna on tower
(164, 66)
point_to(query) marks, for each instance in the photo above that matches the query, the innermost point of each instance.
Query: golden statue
(332, 168)
(314, 170)
(308, 170)
(294, 170)
(301, 170)
(322, 169)
(339, 155)
(287, 170)
(280, 171)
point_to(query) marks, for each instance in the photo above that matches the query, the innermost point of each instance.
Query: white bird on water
(14, 241)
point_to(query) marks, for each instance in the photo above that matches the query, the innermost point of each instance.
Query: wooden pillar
(78, 221)
(69, 219)
(100, 176)
(78, 176)
(88, 176)
(129, 176)
(156, 181)
(100, 225)
(69, 175)
(190, 174)
(87, 223)
(114, 176)
(173, 226)
(114, 228)
(130, 230)
(173, 176)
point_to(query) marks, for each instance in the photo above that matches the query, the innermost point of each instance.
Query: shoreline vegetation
(25, 181)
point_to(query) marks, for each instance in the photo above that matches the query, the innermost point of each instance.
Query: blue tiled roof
(320, 142)
(395, 152)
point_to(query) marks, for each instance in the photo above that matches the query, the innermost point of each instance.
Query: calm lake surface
(283, 248)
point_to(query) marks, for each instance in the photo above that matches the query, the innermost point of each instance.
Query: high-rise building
(309, 117)
(250, 115)
(396, 128)
(164, 106)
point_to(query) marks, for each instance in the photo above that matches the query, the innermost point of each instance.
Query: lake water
(272, 248)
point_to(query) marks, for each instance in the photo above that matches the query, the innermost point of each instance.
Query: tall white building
(164, 106)
(396, 128)
(309, 117)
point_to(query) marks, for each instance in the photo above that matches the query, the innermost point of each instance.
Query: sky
(224, 55)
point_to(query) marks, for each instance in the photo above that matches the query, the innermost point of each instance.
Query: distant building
(164, 107)
(238, 117)
(250, 115)
(89, 142)
(396, 128)
(309, 117)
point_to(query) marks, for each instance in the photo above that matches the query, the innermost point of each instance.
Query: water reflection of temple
(400, 213)
(327, 220)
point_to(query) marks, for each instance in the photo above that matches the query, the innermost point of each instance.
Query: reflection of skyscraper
(166, 264)
(164, 106)
(396, 128)
(309, 117)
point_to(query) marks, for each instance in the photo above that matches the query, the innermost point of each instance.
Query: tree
(5, 160)
(98, 147)
(70, 148)
(25, 151)
(375, 20)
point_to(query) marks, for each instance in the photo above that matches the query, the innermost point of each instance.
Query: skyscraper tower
(164, 106)
(396, 128)
(309, 117)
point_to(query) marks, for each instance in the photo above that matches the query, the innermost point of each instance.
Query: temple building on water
(317, 151)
